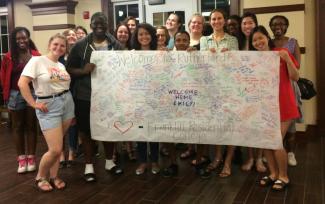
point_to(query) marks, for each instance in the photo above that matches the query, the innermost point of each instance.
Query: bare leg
(218, 154)
(259, 161)
(54, 169)
(271, 163)
(226, 171)
(87, 144)
(54, 140)
(31, 130)
(247, 166)
(17, 118)
(281, 156)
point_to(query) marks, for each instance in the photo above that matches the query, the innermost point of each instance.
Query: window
(208, 5)
(4, 31)
(160, 18)
(123, 11)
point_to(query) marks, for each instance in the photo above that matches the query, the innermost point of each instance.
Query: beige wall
(266, 3)
(92, 6)
(309, 71)
(26, 19)
(41, 37)
(302, 27)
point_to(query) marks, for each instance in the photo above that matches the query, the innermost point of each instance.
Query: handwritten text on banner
(199, 97)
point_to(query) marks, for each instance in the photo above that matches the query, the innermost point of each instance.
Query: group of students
(61, 92)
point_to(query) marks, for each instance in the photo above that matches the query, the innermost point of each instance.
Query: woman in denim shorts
(23, 116)
(54, 107)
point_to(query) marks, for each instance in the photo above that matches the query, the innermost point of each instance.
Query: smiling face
(80, 34)
(217, 21)
(99, 27)
(132, 25)
(122, 34)
(182, 41)
(196, 25)
(247, 26)
(172, 22)
(71, 37)
(232, 26)
(57, 47)
(22, 40)
(260, 42)
(144, 38)
(279, 27)
(161, 37)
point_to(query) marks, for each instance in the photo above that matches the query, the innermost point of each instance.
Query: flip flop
(226, 172)
(57, 183)
(281, 185)
(267, 181)
(41, 183)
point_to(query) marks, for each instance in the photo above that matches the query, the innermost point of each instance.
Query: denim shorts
(17, 101)
(60, 109)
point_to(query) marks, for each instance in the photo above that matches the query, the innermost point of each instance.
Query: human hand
(190, 49)
(73, 122)
(284, 55)
(88, 68)
(224, 49)
(213, 50)
(41, 106)
(163, 49)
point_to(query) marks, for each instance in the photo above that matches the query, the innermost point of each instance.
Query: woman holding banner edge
(260, 40)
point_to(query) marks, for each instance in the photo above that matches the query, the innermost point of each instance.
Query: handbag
(306, 88)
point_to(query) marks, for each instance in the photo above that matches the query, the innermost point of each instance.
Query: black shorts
(82, 111)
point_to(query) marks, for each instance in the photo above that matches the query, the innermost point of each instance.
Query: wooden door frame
(320, 62)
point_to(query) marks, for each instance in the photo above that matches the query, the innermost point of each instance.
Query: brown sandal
(57, 183)
(214, 165)
(226, 172)
(41, 183)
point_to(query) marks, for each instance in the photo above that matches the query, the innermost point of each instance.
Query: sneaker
(292, 159)
(155, 168)
(90, 177)
(170, 171)
(31, 163)
(22, 164)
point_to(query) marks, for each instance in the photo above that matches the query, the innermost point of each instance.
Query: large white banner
(228, 98)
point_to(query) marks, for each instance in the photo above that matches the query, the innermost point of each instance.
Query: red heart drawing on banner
(123, 127)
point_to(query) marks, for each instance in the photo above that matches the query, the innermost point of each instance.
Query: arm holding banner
(204, 43)
(291, 66)
(87, 69)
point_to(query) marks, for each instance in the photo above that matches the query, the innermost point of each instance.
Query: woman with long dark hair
(277, 160)
(144, 38)
(279, 25)
(22, 48)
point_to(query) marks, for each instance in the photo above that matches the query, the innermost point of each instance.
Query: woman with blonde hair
(53, 105)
